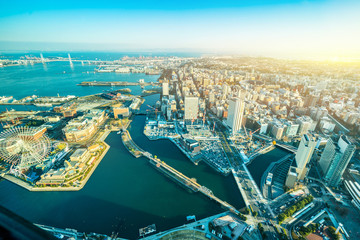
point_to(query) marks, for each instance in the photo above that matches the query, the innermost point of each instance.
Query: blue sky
(328, 28)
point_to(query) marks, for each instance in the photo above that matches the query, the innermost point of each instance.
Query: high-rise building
(304, 153)
(225, 90)
(165, 89)
(305, 124)
(291, 128)
(191, 107)
(291, 177)
(311, 100)
(277, 130)
(263, 125)
(235, 113)
(335, 158)
(211, 97)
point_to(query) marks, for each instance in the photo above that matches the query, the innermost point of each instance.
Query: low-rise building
(119, 111)
(83, 127)
(80, 155)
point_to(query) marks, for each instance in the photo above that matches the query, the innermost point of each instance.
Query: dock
(94, 83)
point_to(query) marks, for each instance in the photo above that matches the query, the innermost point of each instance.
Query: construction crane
(155, 110)
(246, 132)
(251, 133)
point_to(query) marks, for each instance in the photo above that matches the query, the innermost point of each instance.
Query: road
(304, 218)
(247, 186)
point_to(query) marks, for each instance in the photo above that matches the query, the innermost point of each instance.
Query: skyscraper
(235, 113)
(304, 124)
(311, 100)
(335, 158)
(304, 153)
(191, 107)
(165, 89)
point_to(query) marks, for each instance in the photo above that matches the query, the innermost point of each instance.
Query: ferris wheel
(24, 147)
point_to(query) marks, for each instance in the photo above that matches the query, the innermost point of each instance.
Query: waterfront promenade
(176, 175)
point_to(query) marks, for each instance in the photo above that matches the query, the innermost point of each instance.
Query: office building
(277, 130)
(304, 153)
(291, 129)
(165, 89)
(191, 108)
(235, 113)
(305, 124)
(291, 177)
(335, 158)
(311, 100)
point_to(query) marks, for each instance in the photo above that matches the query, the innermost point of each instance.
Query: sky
(290, 28)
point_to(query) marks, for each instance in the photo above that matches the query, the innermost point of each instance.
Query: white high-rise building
(191, 108)
(304, 153)
(235, 113)
(305, 123)
(165, 89)
(335, 158)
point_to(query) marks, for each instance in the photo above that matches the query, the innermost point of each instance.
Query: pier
(94, 83)
(174, 174)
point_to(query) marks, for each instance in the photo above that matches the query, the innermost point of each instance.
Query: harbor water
(124, 193)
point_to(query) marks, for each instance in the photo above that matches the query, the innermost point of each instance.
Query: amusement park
(26, 152)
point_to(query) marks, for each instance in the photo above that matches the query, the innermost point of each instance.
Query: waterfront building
(80, 154)
(52, 177)
(191, 108)
(190, 145)
(235, 113)
(292, 177)
(335, 158)
(83, 127)
(304, 153)
(124, 112)
(111, 95)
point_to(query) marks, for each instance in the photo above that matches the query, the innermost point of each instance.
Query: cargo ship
(43, 104)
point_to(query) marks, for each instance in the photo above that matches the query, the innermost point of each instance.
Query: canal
(259, 165)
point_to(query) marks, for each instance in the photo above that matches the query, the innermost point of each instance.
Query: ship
(147, 230)
(43, 104)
